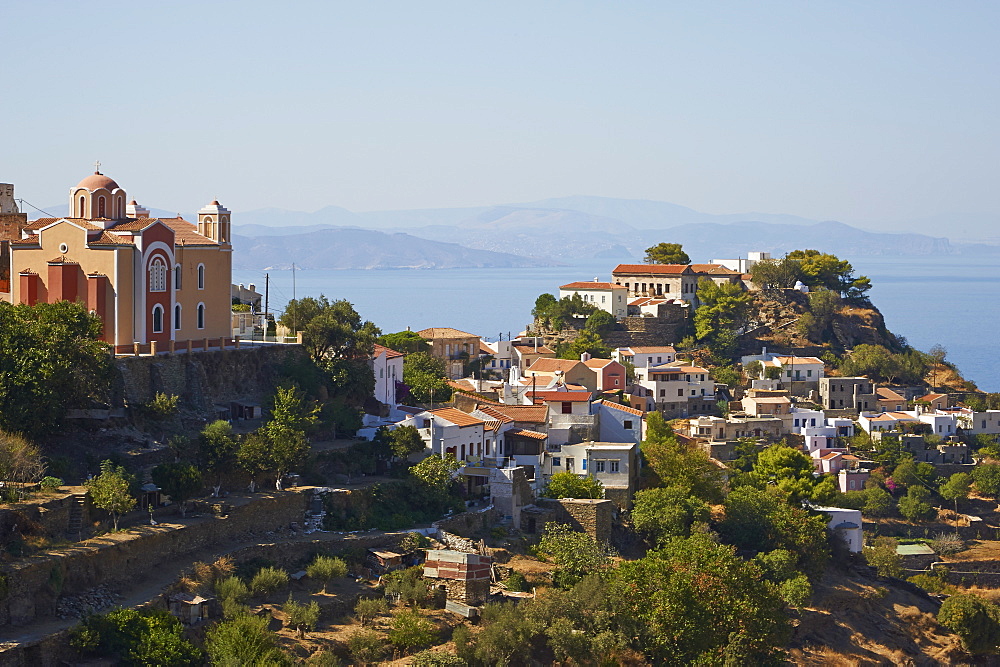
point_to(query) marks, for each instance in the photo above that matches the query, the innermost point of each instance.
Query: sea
(948, 300)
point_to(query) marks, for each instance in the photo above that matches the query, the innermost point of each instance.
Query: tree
(436, 473)
(697, 602)
(288, 449)
(368, 608)
(665, 513)
(914, 505)
(20, 463)
(878, 502)
(666, 253)
(587, 342)
(51, 359)
(882, 555)
(291, 411)
(786, 468)
(180, 481)
(109, 491)
(975, 620)
(754, 369)
(826, 270)
(775, 273)
(881, 365)
(425, 377)
(577, 554)
(403, 441)
(987, 477)
(722, 312)
(367, 646)
(406, 342)
(569, 485)
(245, 640)
(217, 449)
(601, 322)
(136, 637)
(330, 328)
(956, 488)
(301, 617)
(410, 630)
(672, 463)
(325, 568)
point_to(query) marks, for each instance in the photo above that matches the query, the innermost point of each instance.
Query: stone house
(847, 393)
(453, 347)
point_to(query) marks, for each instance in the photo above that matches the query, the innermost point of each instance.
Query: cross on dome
(97, 166)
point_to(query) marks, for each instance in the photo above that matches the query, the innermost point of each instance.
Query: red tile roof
(592, 286)
(530, 414)
(652, 269)
(534, 435)
(456, 416)
(715, 269)
(667, 349)
(444, 332)
(563, 396)
(553, 365)
(599, 363)
(619, 406)
(388, 352)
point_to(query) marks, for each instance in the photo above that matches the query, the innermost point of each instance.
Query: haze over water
(947, 300)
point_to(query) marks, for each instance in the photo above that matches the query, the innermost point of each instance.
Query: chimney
(585, 356)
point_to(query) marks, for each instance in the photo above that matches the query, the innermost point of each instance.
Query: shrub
(366, 646)
(232, 588)
(368, 608)
(302, 617)
(409, 584)
(930, 583)
(325, 568)
(268, 580)
(945, 544)
(882, 555)
(245, 640)
(975, 620)
(323, 659)
(431, 658)
(136, 638)
(516, 582)
(796, 591)
(50, 484)
(410, 630)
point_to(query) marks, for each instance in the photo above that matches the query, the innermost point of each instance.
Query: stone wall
(469, 524)
(46, 516)
(35, 584)
(203, 379)
(589, 516)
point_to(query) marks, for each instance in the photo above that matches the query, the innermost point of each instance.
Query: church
(151, 280)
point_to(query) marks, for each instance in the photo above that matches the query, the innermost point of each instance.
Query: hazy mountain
(350, 248)
(62, 210)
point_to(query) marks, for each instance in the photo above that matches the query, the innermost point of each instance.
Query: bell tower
(213, 222)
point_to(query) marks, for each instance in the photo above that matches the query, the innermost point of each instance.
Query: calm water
(949, 300)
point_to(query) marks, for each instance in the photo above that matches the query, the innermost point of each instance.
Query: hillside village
(323, 492)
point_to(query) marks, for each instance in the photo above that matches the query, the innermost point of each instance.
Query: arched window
(201, 316)
(177, 276)
(157, 318)
(83, 207)
(201, 276)
(158, 275)
(177, 317)
(100, 207)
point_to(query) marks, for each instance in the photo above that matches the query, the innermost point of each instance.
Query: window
(569, 463)
(177, 317)
(812, 422)
(177, 276)
(598, 466)
(788, 374)
(809, 374)
(201, 276)
(556, 462)
(851, 484)
(680, 392)
(381, 372)
(567, 408)
(659, 359)
(158, 275)
(796, 423)
(603, 298)
(614, 465)
(101, 207)
(583, 464)
(628, 424)
(157, 318)
(201, 316)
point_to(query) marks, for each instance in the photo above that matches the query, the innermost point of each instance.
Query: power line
(25, 201)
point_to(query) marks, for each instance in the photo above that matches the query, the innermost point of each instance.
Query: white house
(501, 353)
(978, 422)
(451, 431)
(673, 388)
(606, 296)
(387, 366)
(614, 464)
(619, 423)
(743, 265)
(643, 357)
(847, 524)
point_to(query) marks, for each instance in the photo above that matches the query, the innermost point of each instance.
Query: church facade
(150, 279)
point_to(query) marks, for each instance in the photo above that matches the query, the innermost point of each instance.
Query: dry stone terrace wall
(50, 515)
(35, 584)
(205, 378)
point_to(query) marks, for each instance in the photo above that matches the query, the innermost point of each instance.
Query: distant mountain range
(543, 233)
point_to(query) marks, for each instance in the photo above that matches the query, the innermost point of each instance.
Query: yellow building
(150, 279)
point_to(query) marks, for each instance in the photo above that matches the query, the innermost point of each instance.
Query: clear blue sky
(858, 111)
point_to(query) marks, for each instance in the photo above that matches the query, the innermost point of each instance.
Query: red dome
(97, 180)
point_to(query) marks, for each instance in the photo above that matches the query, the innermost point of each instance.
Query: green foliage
(727, 375)
(323, 659)
(577, 554)
(366, 646)
(232, 588)
(915, 506)
(557, 313)
(148, 637)
(401, 441)
(180, 481)
(217, 448)
(21, 463)
(975, 620)
(775, 273)
(956, 488)
(425, 376)
(882, 365)
(413, 541)
(761, 520)
(816, 324)
(666, 253)
(674, 464)
(51, 360)
(881, 554)
(330, 329)
(367, 609)
(436, 472)
(267, 580)
(825, 270)
(301, 617)
(406, 342)
(409, 584)
(664, 513)
(516, 582)
(291, 411)
(570, 485)
(410, 630)
(244, 640)
(586, 342)
(695, 602)
(724, 308)
(601, 322)
(109, 491)
(162, 407)
(787, 468)
(506, 638)
(796, 591)
(931, 583)
(878, 502)
(325, 568)
(754, 369)
(987, 478)
(50, 484)
(431, 658)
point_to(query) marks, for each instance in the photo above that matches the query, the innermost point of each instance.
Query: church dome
(97, 180)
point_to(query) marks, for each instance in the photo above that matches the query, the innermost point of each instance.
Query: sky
(856, 111)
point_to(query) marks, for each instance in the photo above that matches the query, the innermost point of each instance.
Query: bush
(431, 658)
(408, 584)
(796, 591)
(366, 646)
(232, 588)
(975, 620)
(245, 640)
(883, 557)
(930, 583)
(50, 484)
(301, 617)
(268, 579)
(368, 608)
(325, 568)
(516, 582)
(136, 638)
(945, 544)
(410, 630)
(323, 659)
